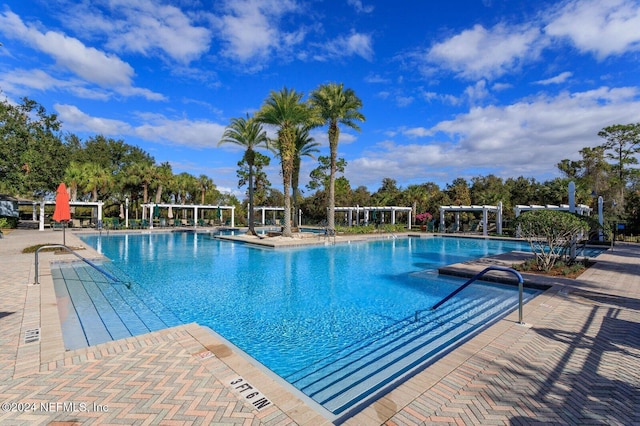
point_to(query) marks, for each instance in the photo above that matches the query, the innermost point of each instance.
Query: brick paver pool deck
(576, 360)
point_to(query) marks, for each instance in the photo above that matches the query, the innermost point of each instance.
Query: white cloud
(73, 119)
(477, 93)
(604, 28)
(148, 27)
(487, 53)
(404, 101)
(359, 7)
(560, 78)
(354, 44)
(88, 63)
(251, 33)
(376, 78)
(138, 26)
(155, 128)
(525, 138)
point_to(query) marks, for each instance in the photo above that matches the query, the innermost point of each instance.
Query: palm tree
(247, 133)
(335, 105)
(205, 183)
(73, 175)
(164, 175)
(285, 110)
(145, 174)
(96, 178)
(305, 146)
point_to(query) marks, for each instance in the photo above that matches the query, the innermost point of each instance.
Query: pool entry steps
(97, 310)
(353, 376)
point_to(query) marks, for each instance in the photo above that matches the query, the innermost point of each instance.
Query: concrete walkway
(576, 361)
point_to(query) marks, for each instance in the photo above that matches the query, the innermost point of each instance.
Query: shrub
(550, 234)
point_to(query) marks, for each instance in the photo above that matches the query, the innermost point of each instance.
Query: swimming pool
(313, 314)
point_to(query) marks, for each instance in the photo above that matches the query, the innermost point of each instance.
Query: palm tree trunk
(295, 192)
(286, 177)
(334, 133)
(252, 230)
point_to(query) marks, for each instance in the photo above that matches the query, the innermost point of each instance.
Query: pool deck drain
(576, 361)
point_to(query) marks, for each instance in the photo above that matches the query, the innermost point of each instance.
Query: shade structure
(62, 212)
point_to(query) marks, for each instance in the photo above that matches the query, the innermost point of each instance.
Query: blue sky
(455, 88)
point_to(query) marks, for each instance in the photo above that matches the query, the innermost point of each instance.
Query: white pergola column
(499, 218)
(233, 215)
(41, 225)
(485, 221)
(100, 214)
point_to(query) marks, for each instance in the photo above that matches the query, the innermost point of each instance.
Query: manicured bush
(550, 234)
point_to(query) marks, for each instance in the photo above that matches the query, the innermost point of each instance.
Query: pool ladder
(476, 277)
(87, 261)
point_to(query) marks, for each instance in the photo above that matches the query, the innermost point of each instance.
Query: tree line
(35, 155)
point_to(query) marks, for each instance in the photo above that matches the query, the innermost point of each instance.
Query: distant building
(8, 206)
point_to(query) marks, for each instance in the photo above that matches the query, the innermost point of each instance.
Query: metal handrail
(478, 275)
(87, 261)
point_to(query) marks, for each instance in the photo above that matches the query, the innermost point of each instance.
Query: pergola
(195, 208)
(581, 209)
(485, 215)
(263, 213)
(94, 204)
(374, 210)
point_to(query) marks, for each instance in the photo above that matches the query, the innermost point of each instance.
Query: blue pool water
(302, 310)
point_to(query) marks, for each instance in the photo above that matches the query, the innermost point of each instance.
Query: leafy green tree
(334, 105)
(285, 110)
(113, 155)
(360, 196)
(249, 134)
(459, 192)
(32, 155)
(622, 146)
(320, 176)
(550, 233)
(388, 194)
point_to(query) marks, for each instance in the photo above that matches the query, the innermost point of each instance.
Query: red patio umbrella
(62, 212)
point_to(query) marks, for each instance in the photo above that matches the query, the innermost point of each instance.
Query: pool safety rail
(480, 274)
(87, 261)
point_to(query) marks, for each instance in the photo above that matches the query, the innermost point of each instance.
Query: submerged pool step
(97, 310)
(362, 371)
